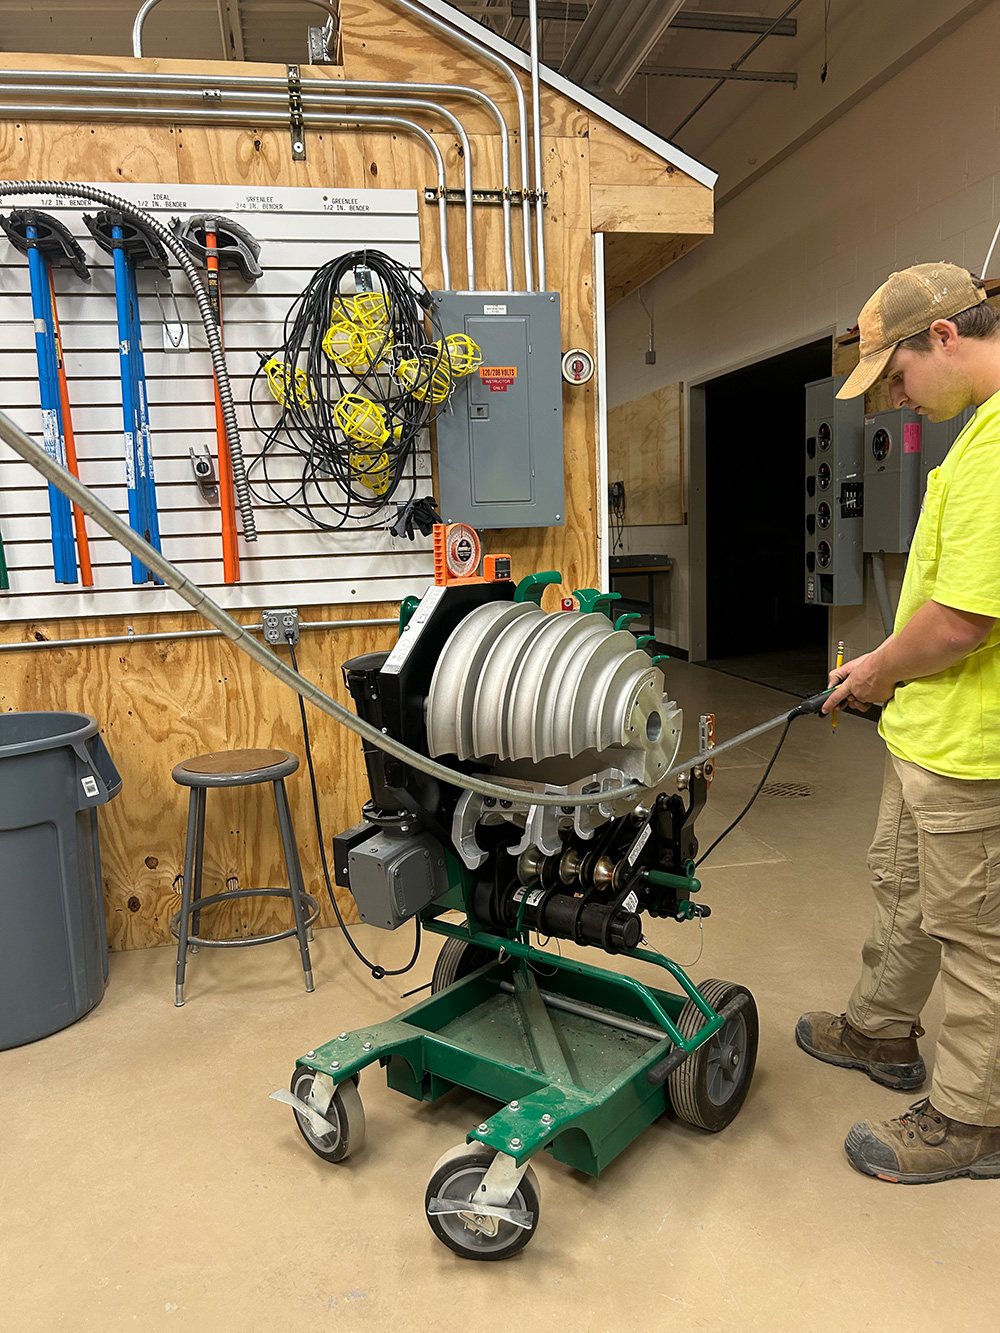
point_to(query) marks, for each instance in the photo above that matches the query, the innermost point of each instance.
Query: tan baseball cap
(905, 304)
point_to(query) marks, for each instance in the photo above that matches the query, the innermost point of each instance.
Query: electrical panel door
(893, 444)
(499, 440)
(834, 570)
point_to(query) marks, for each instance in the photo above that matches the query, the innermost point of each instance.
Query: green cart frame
(581, 1059)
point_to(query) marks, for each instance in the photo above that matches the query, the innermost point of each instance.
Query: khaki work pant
(935, 863)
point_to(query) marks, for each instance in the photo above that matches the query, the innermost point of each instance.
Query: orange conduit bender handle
(227, 499)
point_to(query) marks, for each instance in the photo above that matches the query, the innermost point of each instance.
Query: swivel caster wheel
(711, 1085)
(345, 1113)
(473, 1233)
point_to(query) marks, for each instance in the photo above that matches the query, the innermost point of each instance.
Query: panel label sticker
(494, 310)
(911, 437)
(498, 377)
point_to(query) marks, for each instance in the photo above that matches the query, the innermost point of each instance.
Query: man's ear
(944, 333)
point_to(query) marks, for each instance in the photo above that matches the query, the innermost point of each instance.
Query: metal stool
(237, 768)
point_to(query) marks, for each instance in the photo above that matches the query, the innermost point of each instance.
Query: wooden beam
(650, 208)
(231, 26)
(631, 259)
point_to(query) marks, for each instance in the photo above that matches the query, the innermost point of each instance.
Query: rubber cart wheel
(345, 1111)
(711, 1085)
(456, 960)
(458, 1175)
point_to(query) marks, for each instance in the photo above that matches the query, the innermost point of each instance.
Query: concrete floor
(148, 1183)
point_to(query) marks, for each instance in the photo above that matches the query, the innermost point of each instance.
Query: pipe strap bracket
(296, 124)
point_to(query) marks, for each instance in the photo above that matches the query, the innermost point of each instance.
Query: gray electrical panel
(893, 443)
(500, 440)
(834, 561)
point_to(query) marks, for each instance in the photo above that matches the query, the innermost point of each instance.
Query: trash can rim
(87, 727)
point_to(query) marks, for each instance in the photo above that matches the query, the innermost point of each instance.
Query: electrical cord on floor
(377, 971)
(814, 704)
(777, 750)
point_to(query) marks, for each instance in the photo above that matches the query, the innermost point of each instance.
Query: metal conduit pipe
(154, 84)
(410, 127)
(483, 53)
(536, 140)
(25, 447)
(329, 27)
(168, 636)
(177, 249)
(229, 114)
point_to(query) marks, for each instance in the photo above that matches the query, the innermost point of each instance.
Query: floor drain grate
(789, 791)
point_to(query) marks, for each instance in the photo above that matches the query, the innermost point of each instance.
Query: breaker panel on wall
(500, 444)
(893, 477)
(834, 570)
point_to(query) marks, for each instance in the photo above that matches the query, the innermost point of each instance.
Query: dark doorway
(758, 624)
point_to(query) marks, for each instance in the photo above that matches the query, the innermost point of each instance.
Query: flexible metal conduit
(177, 249)
(25, 447)
(169, 636)
(228, 115)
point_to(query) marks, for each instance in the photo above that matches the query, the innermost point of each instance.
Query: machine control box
(392, 875)
(500, 440)
(835, 496)
(893, 445)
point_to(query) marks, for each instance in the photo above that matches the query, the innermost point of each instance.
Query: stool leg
(199, 861)
(295, 881)
(189, 856)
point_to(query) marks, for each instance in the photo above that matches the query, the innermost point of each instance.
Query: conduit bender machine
(581, 1058)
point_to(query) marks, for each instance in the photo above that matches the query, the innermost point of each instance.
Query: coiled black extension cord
(330, 489)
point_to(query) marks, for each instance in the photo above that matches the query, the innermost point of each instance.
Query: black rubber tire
(456, 960)
(708, 1089)
(463, 1168)
(345, 1111)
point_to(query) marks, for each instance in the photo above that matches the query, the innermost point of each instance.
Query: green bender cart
(580, 1059)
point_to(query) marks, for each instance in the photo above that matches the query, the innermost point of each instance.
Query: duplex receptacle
(281, 626)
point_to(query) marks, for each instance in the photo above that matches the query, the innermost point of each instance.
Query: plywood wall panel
(616, 159)
(644, 451)
(632, 258)
(161, 702)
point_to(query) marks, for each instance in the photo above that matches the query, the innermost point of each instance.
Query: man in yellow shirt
(935, 860)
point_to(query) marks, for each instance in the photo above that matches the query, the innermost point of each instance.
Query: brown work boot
(922, 1146)
(892, 1061)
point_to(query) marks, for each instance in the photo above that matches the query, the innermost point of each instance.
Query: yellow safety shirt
(949, 722)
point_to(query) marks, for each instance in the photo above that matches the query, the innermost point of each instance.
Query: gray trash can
(54, 771)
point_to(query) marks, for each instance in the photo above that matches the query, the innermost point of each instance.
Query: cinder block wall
(909, 173)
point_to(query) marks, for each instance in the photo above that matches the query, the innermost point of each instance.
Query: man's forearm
(935, 638)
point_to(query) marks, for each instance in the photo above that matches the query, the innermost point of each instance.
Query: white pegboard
(291, 562)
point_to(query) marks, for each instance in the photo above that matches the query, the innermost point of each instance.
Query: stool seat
(234, 768)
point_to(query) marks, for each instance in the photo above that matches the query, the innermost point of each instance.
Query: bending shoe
(892, 1061)
(922, 1146)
